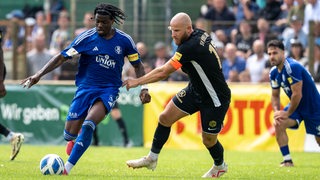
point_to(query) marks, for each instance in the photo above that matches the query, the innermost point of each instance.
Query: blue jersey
(101, 60)
(294, 72)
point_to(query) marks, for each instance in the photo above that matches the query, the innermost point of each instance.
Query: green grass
(109, 163)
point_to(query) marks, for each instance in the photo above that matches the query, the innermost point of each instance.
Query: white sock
(220, 166)
(153, 156)
(287, 157)
(10, 136)
(68, 166)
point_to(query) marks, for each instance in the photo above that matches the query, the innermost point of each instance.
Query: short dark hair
(276, 43)
(114, 12)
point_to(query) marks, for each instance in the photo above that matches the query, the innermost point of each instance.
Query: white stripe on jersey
(289, 70)
(129, 37)
(84, 35)
(287, 66)
(207, 84)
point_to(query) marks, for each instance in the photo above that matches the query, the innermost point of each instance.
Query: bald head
(180, 27)
(258, 47)
(181, 19)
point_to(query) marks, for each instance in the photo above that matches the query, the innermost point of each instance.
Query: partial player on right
(304, 97)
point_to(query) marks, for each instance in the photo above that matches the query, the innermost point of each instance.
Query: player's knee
(209, 140)
(68, 136)
(163, 119)
(279, 127)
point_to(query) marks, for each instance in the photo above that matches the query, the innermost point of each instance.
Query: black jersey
(199, 59)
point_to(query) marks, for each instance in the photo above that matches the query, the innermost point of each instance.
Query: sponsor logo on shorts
(212, 125)
(182, 93)
(212, 129)
(73, 115)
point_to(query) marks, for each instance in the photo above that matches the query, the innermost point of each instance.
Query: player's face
(103, 24)
(276, 56)
(178, 33)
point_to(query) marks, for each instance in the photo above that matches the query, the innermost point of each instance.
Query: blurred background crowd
(240, 30)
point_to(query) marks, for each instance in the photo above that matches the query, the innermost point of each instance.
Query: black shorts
(211, 117)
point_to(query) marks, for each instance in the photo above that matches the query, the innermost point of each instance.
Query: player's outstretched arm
(155, 75)
(54, 62)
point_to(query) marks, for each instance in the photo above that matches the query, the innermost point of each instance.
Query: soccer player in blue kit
(98, 80)
(304, 97)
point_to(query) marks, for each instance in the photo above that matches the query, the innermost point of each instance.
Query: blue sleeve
(272, 76)
(296, 74)
(78, 45)
(73, 49)
(131, 50)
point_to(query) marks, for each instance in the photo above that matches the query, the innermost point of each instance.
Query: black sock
(216, 152)
(160, 138)
(95, 137)
(4, 130)
(123, 130)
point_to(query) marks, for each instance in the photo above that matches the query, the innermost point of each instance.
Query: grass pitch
(109, 163)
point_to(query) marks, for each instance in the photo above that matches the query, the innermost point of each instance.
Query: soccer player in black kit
(16, 139)
(206, 92)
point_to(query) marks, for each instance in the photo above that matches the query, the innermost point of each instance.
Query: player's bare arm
(155, 75)
(139, 70)
(144, 93)
(295, 97)
(55, 62)
(275, 101)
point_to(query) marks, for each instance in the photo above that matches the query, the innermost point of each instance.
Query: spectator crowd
(240, 30)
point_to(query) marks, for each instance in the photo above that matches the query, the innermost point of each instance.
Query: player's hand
(30, 81)
(145, 96)
(130, 83)
(3, 91)
(280, 116)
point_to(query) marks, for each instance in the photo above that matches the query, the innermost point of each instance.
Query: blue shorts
(85, 97)
(311, 121)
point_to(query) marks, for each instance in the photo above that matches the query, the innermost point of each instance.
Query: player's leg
(169, 116)
(117, 116)
(16, 140)
(282, 139)
(4, 131)
(212, 123)
(71, 130)
(312, 124)
(216, 151)
(95, 115)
